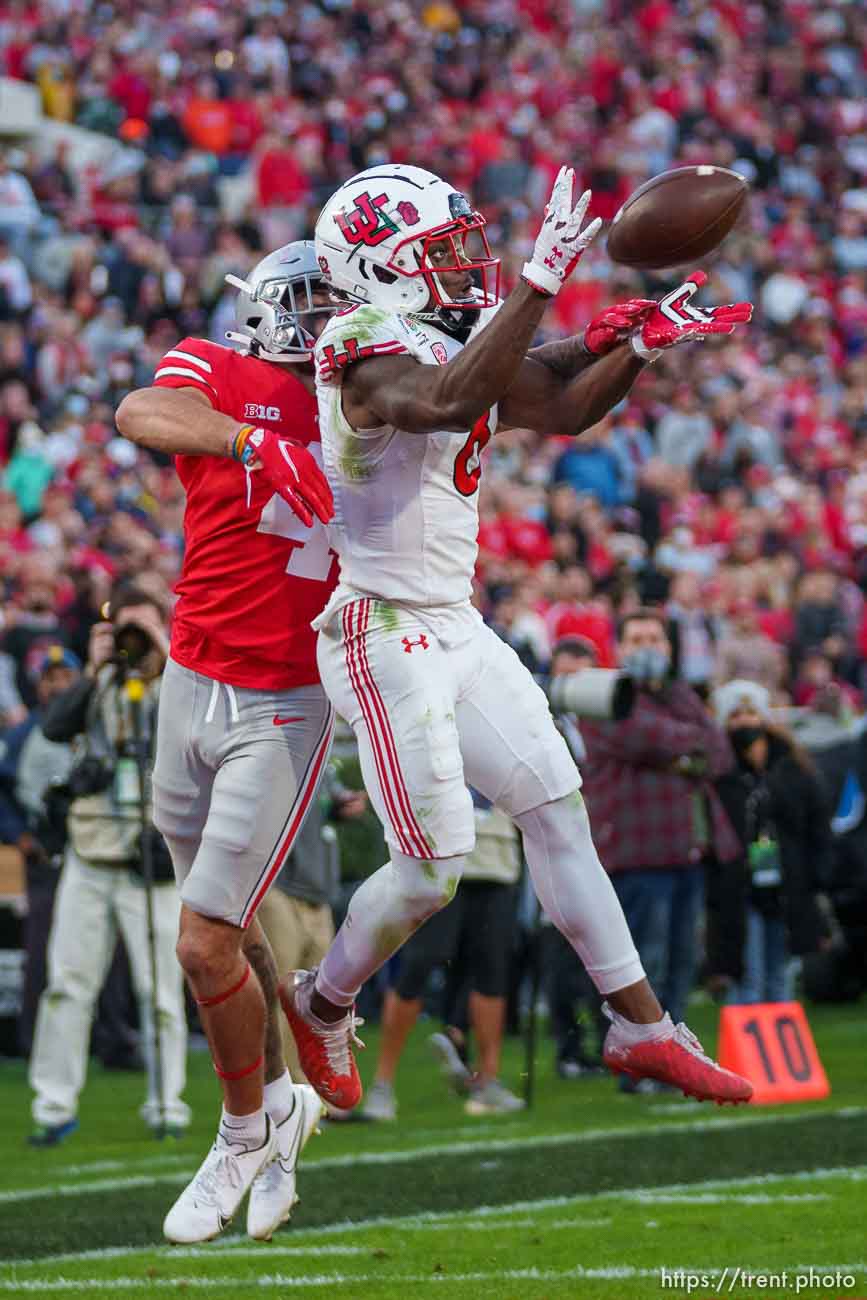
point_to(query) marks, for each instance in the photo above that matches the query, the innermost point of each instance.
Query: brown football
(677, 217)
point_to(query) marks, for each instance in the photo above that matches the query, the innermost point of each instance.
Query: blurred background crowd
(733, 483)
(730, 488)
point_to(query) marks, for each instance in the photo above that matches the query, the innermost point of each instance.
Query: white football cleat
(273, 1194)
(208, 1204)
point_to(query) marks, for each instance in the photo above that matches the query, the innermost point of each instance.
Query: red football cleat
(324, 1050)
(678, 1060)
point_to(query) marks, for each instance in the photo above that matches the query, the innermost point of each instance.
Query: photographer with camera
(111, 713)
(649, 782)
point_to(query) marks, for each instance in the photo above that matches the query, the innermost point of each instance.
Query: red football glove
(290, 469)
(675, 320)
(615, 324)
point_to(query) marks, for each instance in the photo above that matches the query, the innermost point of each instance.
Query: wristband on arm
(241, 449)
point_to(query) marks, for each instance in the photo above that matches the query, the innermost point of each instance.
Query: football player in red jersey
(244, 725)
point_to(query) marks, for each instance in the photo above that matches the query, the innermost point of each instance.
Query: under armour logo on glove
(409, 645)
(561, 241)
(676, 320)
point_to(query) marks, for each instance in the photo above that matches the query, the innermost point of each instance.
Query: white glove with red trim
(289, 468)
(675, 320)
(561, 242)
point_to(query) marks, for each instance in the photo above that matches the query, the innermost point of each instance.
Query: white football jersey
(405, 504)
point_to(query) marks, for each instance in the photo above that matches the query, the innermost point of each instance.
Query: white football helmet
(274, 302)
(374, 235)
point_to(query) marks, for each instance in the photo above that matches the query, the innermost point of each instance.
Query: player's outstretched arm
(400, 391)
(543, 401)
(568, 357)
(176, 421)
(546, 397)
(182, 422)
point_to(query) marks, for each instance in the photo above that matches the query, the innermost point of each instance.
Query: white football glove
(561, 241)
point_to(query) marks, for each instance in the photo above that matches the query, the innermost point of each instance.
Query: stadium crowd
(734, 481)
(731, 487)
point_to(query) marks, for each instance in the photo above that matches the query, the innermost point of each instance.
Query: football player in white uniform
(412, 379)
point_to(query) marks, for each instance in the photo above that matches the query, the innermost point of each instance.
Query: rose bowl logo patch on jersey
(439, 351)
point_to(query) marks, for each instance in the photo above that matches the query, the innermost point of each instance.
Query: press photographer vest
(105, 827)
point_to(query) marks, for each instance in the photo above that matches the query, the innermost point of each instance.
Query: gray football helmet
(274, 302)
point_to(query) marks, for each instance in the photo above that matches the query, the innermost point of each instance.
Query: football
(677, 217)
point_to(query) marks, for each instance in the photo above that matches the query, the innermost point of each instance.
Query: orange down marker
(770, 1043)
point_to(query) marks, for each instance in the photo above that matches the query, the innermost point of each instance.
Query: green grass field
(591, 1194)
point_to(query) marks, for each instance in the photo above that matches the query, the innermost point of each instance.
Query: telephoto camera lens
(131, 644)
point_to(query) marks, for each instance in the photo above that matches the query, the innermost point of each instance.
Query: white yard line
(491, 1225)
(138, 1162)
(274, 1281)
(108, 1165)
(719, 1198)
(434, 1219)
(483, 1147)
(846, 1173)
(236, 1246)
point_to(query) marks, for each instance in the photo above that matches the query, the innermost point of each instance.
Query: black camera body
(90, 776)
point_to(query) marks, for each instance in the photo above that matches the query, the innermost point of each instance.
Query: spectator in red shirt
(281, 180)
(131, 86)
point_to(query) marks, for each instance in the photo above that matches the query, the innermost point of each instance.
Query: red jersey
(253, 577)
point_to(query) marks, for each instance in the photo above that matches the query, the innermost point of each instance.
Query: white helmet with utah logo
(374, 237)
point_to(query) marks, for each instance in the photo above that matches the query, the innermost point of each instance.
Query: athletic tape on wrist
(224, 997)
(233, 1075)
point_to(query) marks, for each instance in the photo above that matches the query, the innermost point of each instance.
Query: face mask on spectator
(743, 737)
(646, 664)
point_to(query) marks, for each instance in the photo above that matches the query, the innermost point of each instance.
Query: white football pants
(430, 720)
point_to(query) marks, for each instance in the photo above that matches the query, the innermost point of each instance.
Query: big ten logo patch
(253, 411)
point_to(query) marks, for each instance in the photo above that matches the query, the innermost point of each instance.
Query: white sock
(635, 1033)
(576, 893)
(280, 1098)
(243, 1130)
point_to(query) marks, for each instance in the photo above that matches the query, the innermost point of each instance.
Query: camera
(602, 693)
(89, 776)
(131, 644)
